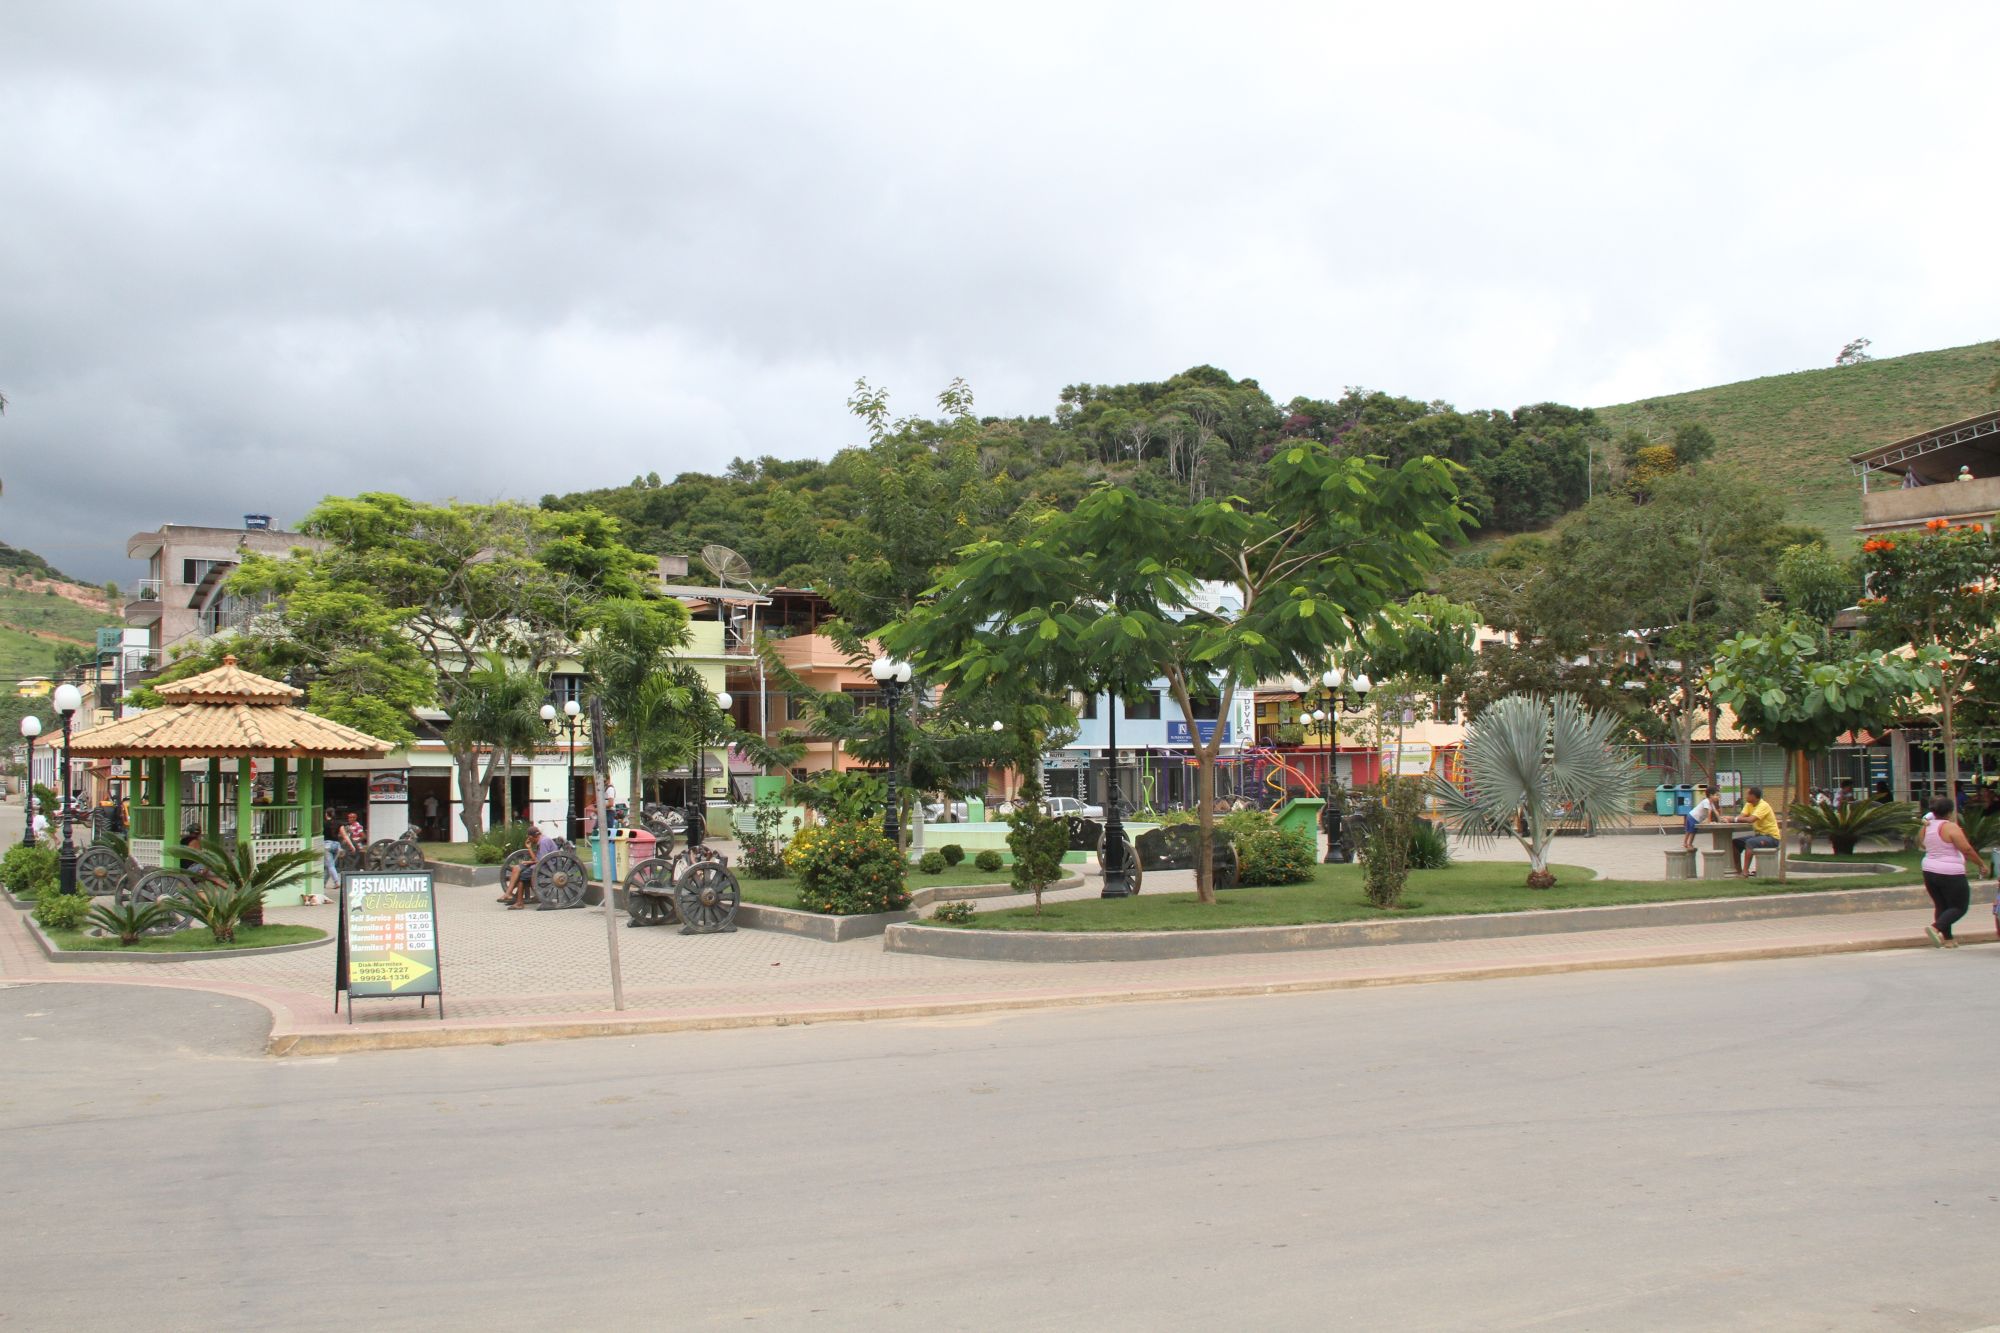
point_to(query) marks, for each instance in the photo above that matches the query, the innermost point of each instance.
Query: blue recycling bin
(1663, 799)
(1683, 798)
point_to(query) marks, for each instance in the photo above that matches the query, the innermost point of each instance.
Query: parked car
(1065, 807)
(934, 812)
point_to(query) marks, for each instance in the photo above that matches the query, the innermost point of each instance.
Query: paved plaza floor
(522, 975)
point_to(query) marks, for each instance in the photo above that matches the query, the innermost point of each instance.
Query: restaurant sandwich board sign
(387, 946)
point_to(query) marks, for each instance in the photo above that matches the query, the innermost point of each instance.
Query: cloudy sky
(254, 253)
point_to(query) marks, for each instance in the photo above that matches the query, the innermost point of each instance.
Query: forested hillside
(1200, 433)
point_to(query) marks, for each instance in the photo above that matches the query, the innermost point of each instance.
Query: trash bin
(1683, 798)
(1663, 799)
(621, 855)
(643, 843)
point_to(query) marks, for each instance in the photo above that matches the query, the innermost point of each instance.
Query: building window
(194, 571)
(1206, 710)
(1089, 708)
(795, 707)
(1145, 709)
(565, 687)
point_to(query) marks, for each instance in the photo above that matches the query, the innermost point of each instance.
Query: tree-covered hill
(1200, 433)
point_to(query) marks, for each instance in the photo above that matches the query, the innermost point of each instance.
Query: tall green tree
(1938, 589)
(499, 708)
(1211, 597)
(1791, 686)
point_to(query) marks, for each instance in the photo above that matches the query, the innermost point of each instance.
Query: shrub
(1387, 855)
(847, 868)
(1275, 856)
(1242, 823)
(1038, 843)
(1429, 850)
(989, 860)
(931, 863)
(1846, 825)
(62, 911)
(952, 853)
(763, 843)
(128, 921)
(26, 870)
(953, 914)
(491, 847)
(1170, 818)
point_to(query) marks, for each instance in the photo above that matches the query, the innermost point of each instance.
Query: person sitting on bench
(539, 845)
(1763, 822)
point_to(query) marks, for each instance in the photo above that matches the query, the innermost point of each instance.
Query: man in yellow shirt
(1763, 822)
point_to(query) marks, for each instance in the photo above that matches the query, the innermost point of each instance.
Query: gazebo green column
(245, 789)
(312, 813)
(170, 813)
(211, 829)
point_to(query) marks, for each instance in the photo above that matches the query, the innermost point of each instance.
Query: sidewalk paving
(513, 976)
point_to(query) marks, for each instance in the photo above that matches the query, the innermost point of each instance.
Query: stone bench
(1718, 864)
(1680, 863)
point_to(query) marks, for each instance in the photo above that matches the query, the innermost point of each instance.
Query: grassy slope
(26, 614)
(1796, 431)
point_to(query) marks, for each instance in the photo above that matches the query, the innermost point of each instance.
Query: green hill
(41, 612)
(1796, 431)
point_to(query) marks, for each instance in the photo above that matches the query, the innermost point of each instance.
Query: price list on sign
(388, 944)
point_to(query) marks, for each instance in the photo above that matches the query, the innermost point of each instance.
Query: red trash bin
(642, 844)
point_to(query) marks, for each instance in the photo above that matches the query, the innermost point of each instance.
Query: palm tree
(232, 890)
(499, 706)
(1529, 761)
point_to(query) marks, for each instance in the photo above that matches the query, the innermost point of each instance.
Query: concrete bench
(1680, 863)
(1717, 865)
(1761, 860)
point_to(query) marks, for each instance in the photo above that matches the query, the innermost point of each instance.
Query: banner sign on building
(1413, 760)
(1177, 732)
(388, 944)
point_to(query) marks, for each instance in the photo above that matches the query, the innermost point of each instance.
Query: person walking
(330, 843)
(1945, 851)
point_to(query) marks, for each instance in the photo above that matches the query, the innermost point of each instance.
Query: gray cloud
(252, 254)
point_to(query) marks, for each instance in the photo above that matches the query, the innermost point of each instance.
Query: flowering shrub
(847, 868)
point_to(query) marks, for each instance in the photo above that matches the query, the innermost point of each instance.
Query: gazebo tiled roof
(228, 713)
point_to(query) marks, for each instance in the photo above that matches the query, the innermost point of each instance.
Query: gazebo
(222, 715)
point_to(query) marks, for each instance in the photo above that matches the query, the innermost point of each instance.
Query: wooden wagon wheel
(379, 852)
(707, 895)
(162, 886)
(1131, 860)
(100, 872)
(649, 892)
(404, 854)
(348, 862)
(560, 881)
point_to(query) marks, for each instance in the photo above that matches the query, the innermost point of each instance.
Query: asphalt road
(1773, 1145)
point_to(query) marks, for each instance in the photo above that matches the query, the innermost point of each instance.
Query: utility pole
(601, 763)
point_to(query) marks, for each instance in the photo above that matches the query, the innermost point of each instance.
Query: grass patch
(456, 853)
(1469, 888)
(198, 940)
(785, 892)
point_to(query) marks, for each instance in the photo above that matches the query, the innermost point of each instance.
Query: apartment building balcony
(143, 606)
(1950, 472)
(804, 653)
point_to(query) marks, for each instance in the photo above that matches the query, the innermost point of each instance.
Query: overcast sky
(254, 253)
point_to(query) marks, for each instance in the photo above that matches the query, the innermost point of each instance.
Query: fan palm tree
(1529, 761)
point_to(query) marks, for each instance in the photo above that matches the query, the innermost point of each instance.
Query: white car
(1065, 807)
(934, 812)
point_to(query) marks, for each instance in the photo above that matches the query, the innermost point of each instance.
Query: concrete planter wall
(1031, 946)
(450, 872)
(56, 955)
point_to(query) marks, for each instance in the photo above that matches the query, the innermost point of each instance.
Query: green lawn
(1335, 895)
(785, 892)
(198, 940)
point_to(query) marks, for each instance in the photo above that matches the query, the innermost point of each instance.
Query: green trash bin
(1663, 799)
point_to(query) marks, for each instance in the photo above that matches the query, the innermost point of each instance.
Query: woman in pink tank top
(1945, 851)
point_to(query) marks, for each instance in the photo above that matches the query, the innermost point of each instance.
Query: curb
(344, 1041)
(1032, 946)
(451, 872)
(816, 925)
(55, 955)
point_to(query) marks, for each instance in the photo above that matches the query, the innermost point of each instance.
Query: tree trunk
(507, 788)
(1204, 846)
(1950, 733)
(471, 806)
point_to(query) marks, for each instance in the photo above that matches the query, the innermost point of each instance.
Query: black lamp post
(1343, 695)
(67, 700)
(570, 710)
(1117, 876)
(31, 727)
(892, 676)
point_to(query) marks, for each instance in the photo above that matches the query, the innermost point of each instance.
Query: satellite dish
(727, 566)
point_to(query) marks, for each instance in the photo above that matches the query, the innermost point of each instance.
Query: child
(1703, 812)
